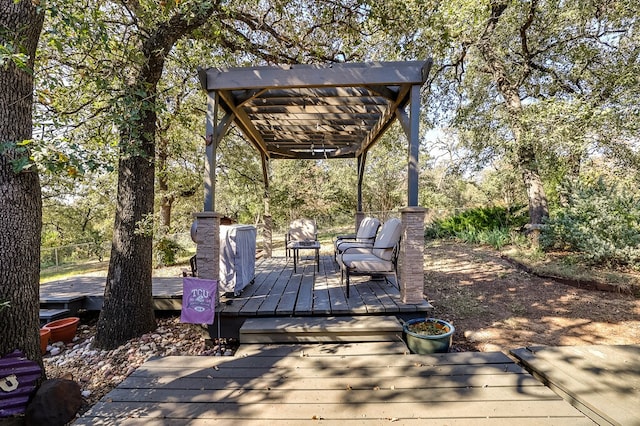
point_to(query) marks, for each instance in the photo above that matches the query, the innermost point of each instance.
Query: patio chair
(381, 259)
(300, 230)
(365, 237)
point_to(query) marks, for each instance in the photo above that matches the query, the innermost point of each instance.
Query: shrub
(166, 252)
(487, 225)
(496, 238)
(599, 221)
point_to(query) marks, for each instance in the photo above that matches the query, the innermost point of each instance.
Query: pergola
(313, 112)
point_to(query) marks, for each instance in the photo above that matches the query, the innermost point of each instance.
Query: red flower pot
(45, 334)
(63, 329)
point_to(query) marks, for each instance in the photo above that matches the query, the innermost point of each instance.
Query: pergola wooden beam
(334, 75)
(315, 111)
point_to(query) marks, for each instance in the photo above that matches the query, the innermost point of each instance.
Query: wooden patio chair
(365, 237)
(300, 230)
(381, 259)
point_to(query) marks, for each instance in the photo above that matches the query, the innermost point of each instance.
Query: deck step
(316, 330)
(72, 302)
(49, 315)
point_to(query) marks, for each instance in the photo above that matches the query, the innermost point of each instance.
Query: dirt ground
(496, 306)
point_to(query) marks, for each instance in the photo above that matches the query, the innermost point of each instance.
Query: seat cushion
(350, 245)
(365, 263)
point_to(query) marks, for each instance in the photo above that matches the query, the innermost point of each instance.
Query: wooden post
(414, 146)
(359, 219)
(267, 235)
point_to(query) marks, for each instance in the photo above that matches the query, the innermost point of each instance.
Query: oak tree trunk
(524, 150)
(128, 299)
(20, 200)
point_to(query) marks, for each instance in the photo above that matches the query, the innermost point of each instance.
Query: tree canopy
(524, 96)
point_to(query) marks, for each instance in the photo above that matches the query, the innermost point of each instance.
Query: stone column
(267, 237)
(411, 257)
(208, 245)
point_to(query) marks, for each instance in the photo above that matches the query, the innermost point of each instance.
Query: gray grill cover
(237, 257)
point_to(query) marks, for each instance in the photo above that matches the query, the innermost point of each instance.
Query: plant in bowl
(428, 335)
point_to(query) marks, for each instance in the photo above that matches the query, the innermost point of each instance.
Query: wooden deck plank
(388, 295)
(321, 299)
(603, 381)
(376, 354)
(304, 303)
(260, 293)
(566, 421)
(275, 411)
(322, 349)
(289, 295)
(320, 329)
(454, 374)
(355, 301)
(347, 392)
(523, 381)
(271, 302)
(336, 290)
(346, 383)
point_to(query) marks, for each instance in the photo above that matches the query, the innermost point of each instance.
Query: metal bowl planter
(423, 343)
(63, 329)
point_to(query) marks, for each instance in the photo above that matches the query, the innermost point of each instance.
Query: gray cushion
(367, 229)
(302, 230)
(366, 263)
(387, 238)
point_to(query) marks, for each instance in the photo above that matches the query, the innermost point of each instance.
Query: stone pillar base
(208, 245)
(411, 256)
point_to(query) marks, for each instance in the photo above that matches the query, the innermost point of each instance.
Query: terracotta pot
(45, 334)
(63, 329)
(429, 343)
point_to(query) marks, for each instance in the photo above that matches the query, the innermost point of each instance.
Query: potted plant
(428, 335)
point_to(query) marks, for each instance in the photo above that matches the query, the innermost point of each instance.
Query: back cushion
(387, 238)
(367, 229)
(302, 230)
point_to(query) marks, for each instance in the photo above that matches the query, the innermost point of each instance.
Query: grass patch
(69, 270)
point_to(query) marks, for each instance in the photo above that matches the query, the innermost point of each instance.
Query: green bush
(469, 225)
(600, 222)
(166, 251)
(496, 238)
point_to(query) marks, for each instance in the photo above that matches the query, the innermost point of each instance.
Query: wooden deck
(276, 291)
(601, 381)
(363, 383)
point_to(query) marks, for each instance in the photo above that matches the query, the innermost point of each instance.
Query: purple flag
(198, 300)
